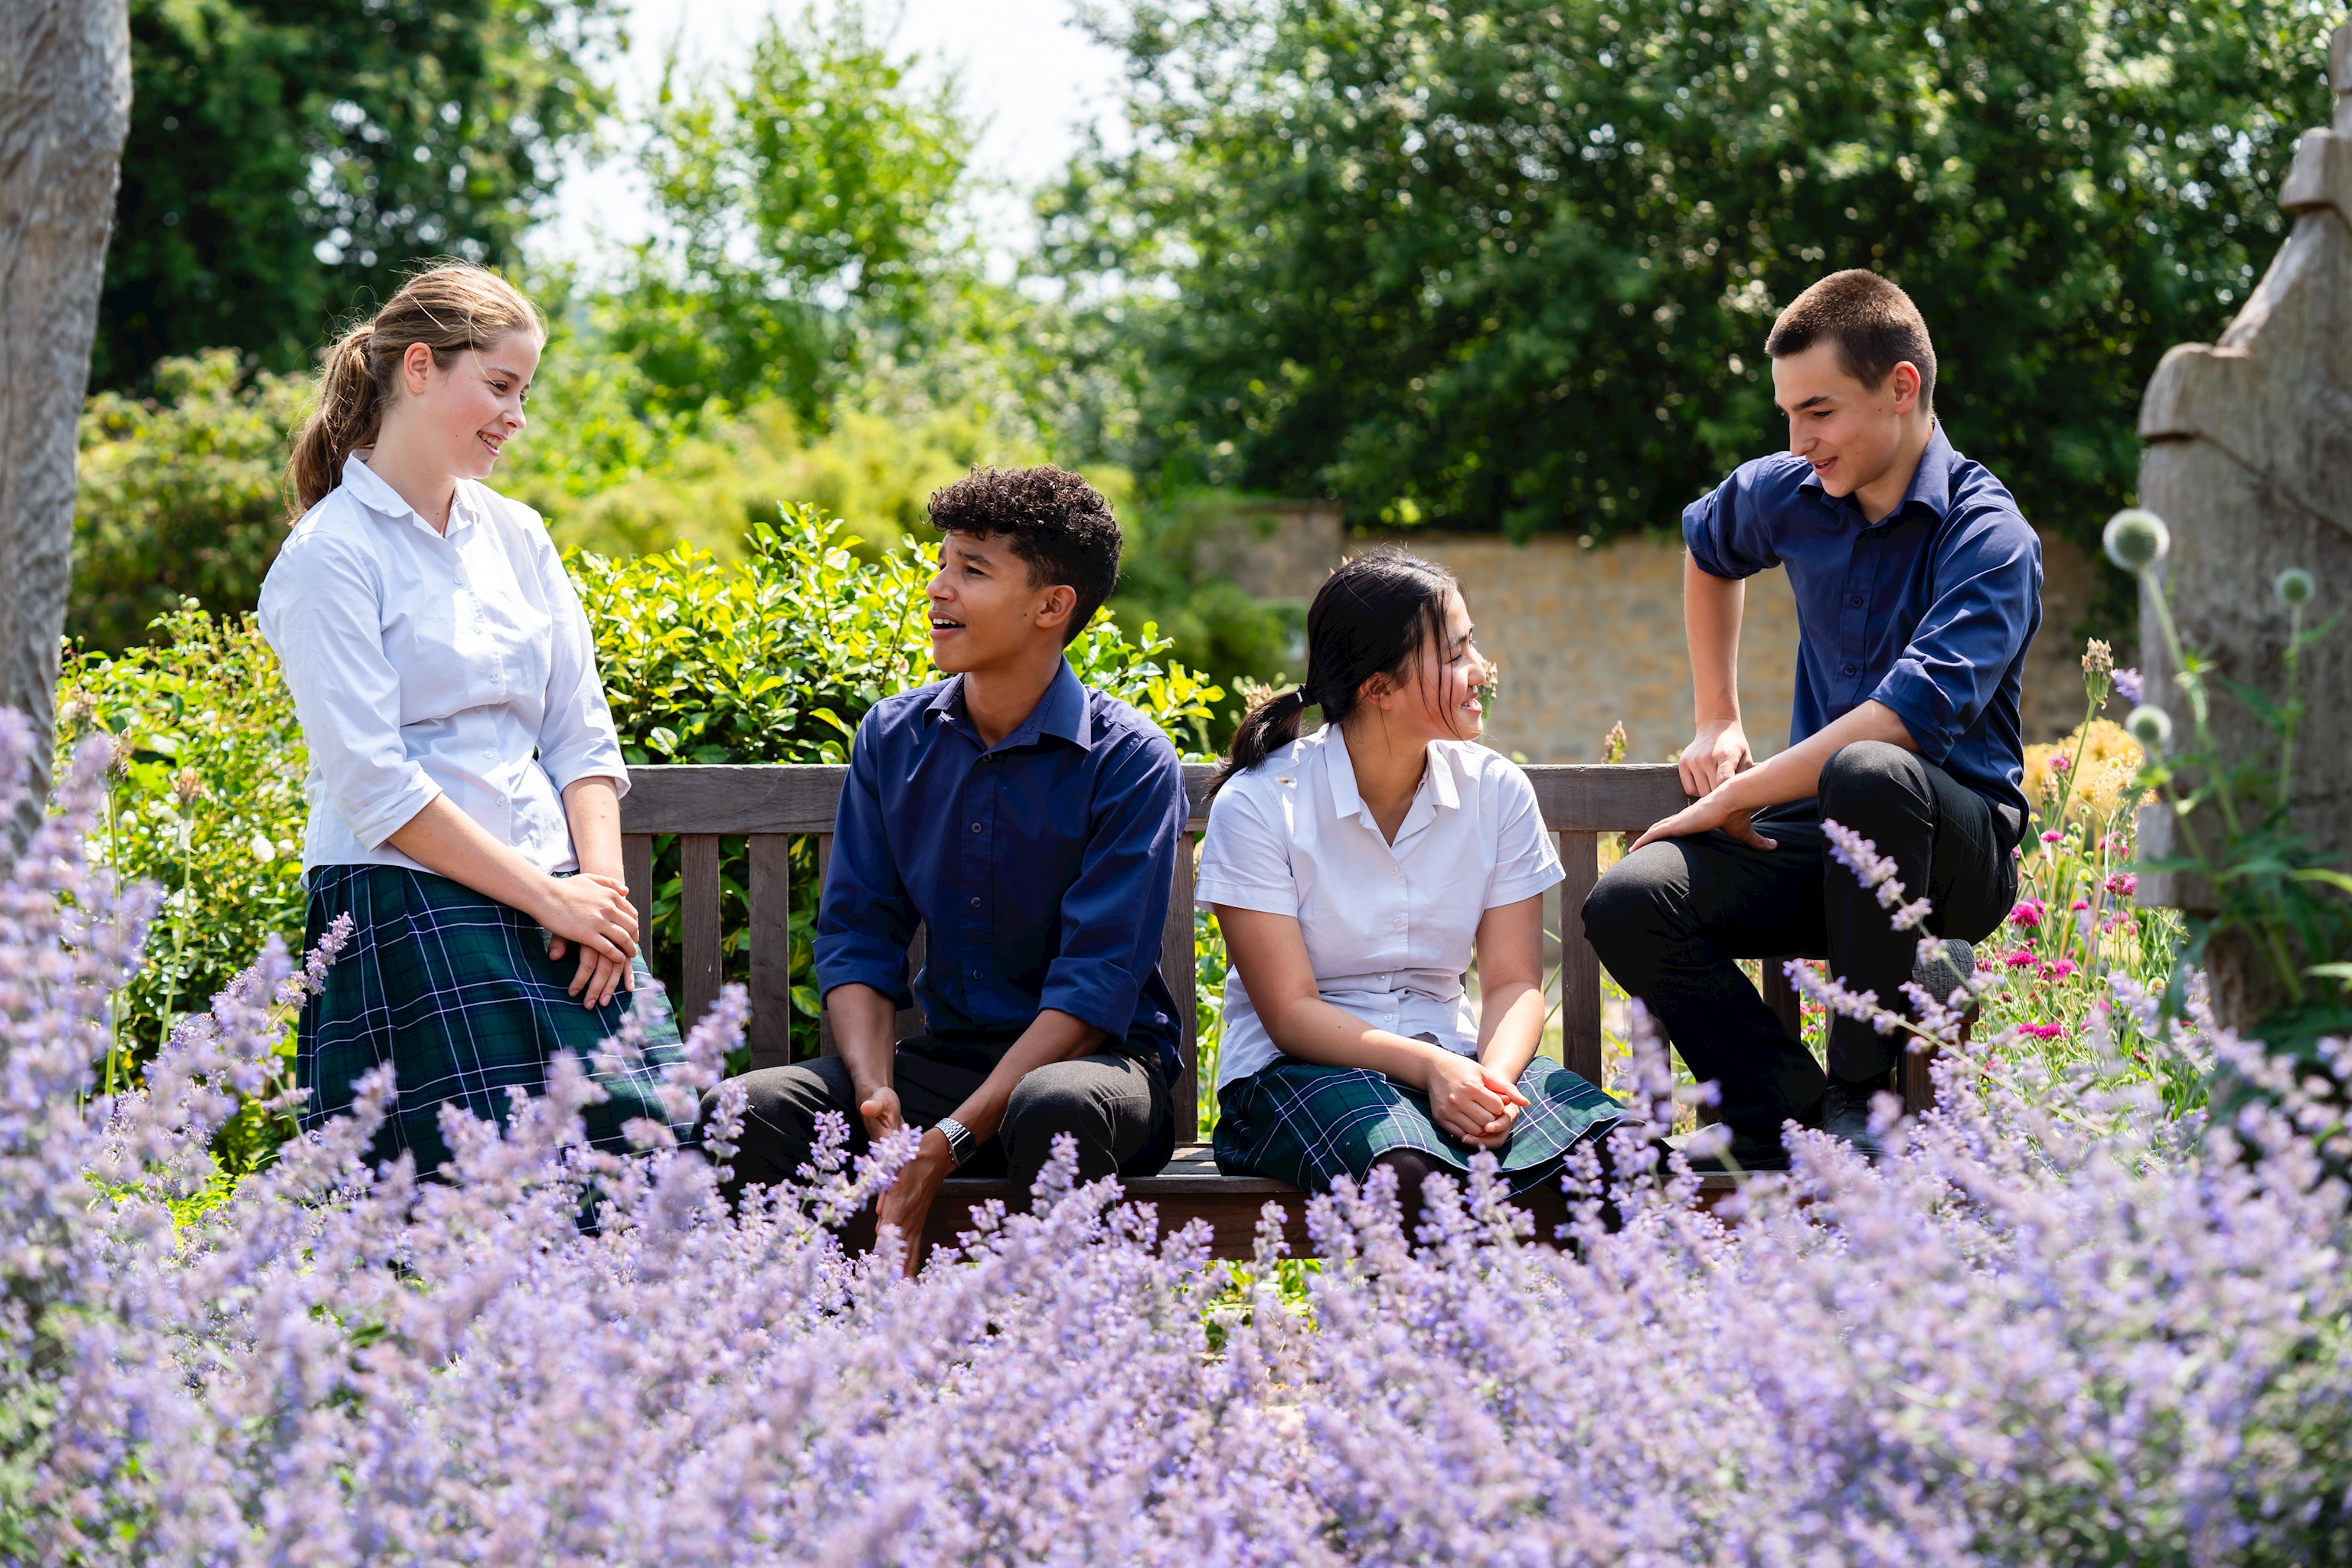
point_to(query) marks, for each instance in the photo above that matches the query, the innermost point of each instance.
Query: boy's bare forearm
(865, 1031)
(1712, 608)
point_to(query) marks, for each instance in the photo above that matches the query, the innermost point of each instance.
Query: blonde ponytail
(451, 308)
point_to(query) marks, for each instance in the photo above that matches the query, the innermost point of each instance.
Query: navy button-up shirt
(1929, 610)
(1042, 866)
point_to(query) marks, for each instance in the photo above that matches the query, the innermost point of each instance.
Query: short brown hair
(1874, 324)
(451, 308)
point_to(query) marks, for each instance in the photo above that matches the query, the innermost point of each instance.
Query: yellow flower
(2102, 780)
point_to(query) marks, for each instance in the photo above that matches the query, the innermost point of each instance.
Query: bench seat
(769, 805)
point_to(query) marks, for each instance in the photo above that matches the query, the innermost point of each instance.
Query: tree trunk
(64, 107)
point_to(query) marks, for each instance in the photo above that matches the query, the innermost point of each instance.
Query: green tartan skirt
(457, 991)
(1310, 1125)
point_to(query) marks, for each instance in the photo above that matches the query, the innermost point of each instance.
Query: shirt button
(976, 826)
(975, 974)
(975, 903)
(1849, 669)
(1855, 601)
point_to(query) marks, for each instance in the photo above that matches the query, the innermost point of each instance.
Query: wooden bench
(772, 804)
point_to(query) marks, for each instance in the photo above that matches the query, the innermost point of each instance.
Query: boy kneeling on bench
(1031, 824)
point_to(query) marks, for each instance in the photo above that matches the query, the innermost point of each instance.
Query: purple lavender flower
(2128, 685)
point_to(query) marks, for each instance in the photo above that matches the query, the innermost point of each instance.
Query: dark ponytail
(1368, 618)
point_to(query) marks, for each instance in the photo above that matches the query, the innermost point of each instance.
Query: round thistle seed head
(2136, 540)
(2151, 727)
(2293, 587)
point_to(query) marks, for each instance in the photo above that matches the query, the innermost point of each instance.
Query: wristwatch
(961, 1143)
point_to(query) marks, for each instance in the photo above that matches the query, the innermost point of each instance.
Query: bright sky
(1028, 71)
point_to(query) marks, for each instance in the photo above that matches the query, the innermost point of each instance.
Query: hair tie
(1297, 697)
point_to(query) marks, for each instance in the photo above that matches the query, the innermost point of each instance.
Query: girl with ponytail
(1356, 870)
(465, 776)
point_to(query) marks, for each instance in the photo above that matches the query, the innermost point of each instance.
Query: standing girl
(465, 777)
(1355, 872)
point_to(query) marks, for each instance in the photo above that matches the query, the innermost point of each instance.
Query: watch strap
(961, 1143)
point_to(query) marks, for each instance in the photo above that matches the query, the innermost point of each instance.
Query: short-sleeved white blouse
(426, 663)
(1388, 927)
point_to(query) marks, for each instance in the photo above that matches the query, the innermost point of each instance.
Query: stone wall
(1588, 637)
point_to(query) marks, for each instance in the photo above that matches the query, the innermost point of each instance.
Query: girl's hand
(594, 911)
(598, 978)
(1468, 1101)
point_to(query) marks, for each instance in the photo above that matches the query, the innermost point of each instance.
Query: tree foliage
(812, 209)
(1487, 264)
(287, 158)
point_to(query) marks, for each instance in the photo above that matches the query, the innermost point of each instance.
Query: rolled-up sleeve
(1114, 913)
(865, 919)
(577, 738)
(1728, 531)
(319, 613)
(1988, 585)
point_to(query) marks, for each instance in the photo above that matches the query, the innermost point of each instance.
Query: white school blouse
(423, 665)
(1389, 927)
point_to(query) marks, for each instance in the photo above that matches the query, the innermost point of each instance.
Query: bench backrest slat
(774, 803)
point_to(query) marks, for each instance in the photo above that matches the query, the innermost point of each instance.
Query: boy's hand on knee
(1718, 752)
(1705, 815)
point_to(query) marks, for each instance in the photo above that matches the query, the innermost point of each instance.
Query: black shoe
(1747, 1151)
(1844, 1114)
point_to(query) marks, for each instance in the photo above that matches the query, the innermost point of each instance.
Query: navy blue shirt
(1929, 610)
(1041, 866)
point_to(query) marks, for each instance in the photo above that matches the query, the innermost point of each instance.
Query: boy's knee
(1866, 781)
(1637, 897)
(1055, 1100)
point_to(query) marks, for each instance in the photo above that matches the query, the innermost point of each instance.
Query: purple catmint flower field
(2060, 1325)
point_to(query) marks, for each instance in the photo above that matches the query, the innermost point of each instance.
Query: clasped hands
(593, 911)
(1470, 1101)
(1717, 755)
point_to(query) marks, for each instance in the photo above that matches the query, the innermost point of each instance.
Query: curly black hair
(1057, 522)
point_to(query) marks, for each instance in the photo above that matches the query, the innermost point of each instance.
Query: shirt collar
(1347, 801)
(371, 490)
(1062, 712)
(1931, 482)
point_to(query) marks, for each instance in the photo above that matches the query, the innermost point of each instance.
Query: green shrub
(179, 495)
(207, 801)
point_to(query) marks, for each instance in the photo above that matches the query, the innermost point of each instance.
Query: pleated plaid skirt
(1308, 1125)
(457, 991)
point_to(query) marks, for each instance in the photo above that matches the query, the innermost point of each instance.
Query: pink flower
(2021, 959)
(2042, 1031)
(2027, 914)
(2049, 835)
(2082, 903)
(2123, 884)
(2059, 764)
(2058, 970)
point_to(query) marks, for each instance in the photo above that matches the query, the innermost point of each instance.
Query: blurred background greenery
(1474, 265)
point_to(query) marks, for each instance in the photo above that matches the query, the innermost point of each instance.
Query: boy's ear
(1060, 603)
(1904, 378)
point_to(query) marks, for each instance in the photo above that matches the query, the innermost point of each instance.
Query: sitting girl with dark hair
(1356, 870)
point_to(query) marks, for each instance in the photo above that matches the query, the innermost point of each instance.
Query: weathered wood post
(2249, 460)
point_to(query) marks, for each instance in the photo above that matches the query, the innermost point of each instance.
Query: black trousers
(1117, 1109)
(1669, 921)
